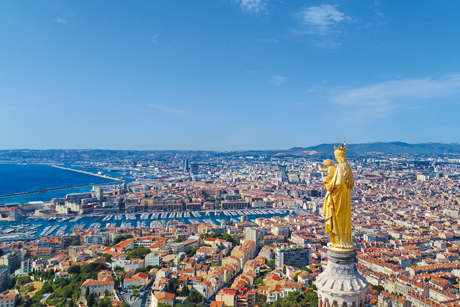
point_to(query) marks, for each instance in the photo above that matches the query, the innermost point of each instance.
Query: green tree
(304, 268)
(90, 300)
(125, 305)
(107, 257)
(184, 291)
(294, 297)
(192, 251)
(74, 269)
(118, 268)
(284, 270)
(378, 288)
(195, 297)
(75, 243)
(139, 252)
(87, 293)
(104, 302)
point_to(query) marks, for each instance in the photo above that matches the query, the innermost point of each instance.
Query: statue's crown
(341, 147)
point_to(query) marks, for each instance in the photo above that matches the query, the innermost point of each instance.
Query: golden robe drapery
(337, 206)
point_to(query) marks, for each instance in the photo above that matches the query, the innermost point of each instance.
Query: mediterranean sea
(16, 178)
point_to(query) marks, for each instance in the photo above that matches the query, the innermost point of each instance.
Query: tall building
(14, 214)
(12, 260)
(281, 231)
(4, 277)
(194, 168)
(99, 193)
(186, 166)
(253, 234)
(68, 239)
(153, 259)
(297, 256)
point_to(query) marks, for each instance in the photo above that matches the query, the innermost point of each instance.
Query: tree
(192, 251)
(75, 243)
(294, 297)
(90, 300)
(184, 291)
(284, 270)
(195, 297)
(74, 269)
(135, 292)
(139, 252)
(22, 280)
(118, 268)
(304, 268)
(104, 303)
(296, 277)
(125, 305)
(378, 288)
(87, 293)
(108, 257)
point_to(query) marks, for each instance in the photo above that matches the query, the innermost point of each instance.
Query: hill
(389, 148)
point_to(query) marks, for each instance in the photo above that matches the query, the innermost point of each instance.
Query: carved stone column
(341, 282)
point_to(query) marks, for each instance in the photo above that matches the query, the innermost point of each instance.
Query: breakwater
(87, 173)
(57, 189)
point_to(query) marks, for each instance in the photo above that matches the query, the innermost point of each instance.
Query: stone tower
(341, 284)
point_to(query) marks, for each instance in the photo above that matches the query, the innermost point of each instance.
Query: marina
(60, 225)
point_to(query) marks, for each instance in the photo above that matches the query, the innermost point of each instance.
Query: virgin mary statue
(337, 203)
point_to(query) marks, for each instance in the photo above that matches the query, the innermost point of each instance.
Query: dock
(87, 173)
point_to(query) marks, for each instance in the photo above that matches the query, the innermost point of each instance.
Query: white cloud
(154, 38)
(320, 19)
(61, 20)
(278, 80)
(385, 95)
(253, 7)
(165, 108)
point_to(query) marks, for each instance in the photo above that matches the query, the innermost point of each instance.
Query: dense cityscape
(233, 230)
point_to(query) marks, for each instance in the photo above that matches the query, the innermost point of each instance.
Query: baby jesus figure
(329, 169)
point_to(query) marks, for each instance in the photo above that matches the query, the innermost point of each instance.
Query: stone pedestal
(341, 284)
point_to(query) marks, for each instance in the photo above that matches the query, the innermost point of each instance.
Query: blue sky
(227, 74)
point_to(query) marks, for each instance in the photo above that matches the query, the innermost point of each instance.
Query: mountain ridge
(396, 147)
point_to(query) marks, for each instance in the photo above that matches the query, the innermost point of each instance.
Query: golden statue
(337, 204)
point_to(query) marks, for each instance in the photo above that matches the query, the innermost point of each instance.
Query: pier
(87, 173)
(57, 189)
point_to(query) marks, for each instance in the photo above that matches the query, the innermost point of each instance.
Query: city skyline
(226, 75)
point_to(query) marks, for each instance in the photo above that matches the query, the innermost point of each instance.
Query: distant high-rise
(14, 214)
(99, 193)
(186, 166)
(194, 168)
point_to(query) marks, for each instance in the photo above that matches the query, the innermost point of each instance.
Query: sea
(16, 178)
(24, 178)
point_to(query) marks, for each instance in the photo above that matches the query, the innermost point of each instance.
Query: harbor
(33, 226)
